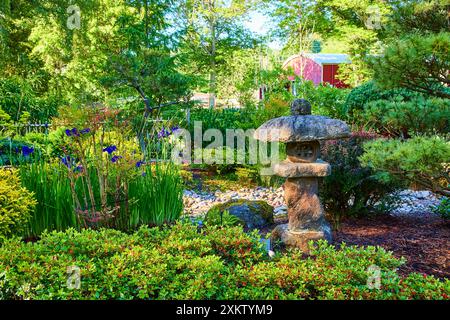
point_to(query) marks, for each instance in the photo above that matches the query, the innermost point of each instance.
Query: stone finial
(300, 107)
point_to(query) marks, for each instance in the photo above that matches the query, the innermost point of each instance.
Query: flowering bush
(182, 262)
(101, 177)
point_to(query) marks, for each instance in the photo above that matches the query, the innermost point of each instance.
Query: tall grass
(55, 210)
(156, 196)
(151, 198)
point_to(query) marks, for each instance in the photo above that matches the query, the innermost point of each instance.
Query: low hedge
(178, 262)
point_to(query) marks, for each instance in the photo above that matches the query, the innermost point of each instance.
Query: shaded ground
(424, 241)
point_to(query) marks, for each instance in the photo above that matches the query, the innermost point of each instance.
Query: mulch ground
(423, 241)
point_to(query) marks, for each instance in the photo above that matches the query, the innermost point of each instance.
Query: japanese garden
(224, 150)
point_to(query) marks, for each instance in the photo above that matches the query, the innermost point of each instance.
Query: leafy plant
(420, 160)
(443, 209)
(352, 189)
(360, 96)
(16, 204)
(419, 115)
(325, 99)
(179, 262)
(216, 217)
(50, 185)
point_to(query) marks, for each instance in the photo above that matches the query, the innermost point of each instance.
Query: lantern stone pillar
(302, 133)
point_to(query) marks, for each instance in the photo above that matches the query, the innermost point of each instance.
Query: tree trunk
(213, 72)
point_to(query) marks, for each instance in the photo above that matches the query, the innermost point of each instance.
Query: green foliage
(179, 263)
(398, 117)
(16, 204)
(18, 96)
(51, 188)
(443, 209)
(11, 152)
(417, 63)
(358, 98)
(212, 31)
(420, 160)
(156, 196)
(352, 189)
(325, 99)
(217, 217)
(147, 200)
(419, 17)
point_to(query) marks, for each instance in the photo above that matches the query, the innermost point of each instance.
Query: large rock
(252, 214)
(302, 128)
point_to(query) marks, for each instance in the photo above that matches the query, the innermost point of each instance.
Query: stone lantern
(302, 133)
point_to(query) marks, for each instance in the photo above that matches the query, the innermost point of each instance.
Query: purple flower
(139, 164)
(144, 174)
(86, 130)
(115, 158)
(163, 133)
(67, 161)
(175, 128)
(26, 151)
(72, 132)
(79, 168)
(110, 149)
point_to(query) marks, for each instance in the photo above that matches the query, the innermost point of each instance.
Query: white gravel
(415, 203)
(412, 203)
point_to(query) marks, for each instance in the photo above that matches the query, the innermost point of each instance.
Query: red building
(318, 67)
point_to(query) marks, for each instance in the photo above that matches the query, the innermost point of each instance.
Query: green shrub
(216, 217)
(423, 161)
(178, 262)
(443, 209)
(358, 98)
(398, 117)
(351, 189)
(325, 99)
(18, 96)
(16, 204)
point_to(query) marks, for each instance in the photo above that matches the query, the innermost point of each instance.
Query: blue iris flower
(139, 164)
(86, 130)
(67, 161)
(110, 149)
(26, 151)
(72, 132)
(163, 133)
(115, 159)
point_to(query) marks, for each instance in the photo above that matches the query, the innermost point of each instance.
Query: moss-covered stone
(253, 214)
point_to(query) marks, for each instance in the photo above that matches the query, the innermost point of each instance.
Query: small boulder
(252, 214)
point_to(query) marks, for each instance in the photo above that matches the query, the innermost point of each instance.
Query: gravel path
(412, 203)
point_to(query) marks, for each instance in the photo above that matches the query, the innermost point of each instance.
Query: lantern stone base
(300, 239)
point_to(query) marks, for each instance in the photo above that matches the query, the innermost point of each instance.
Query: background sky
(261, 24)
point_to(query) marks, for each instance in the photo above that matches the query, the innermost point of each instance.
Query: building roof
(322, 58)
